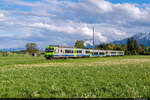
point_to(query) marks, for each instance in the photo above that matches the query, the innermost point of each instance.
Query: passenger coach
(72, 52)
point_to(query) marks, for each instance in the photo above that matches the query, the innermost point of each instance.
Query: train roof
(60, 46)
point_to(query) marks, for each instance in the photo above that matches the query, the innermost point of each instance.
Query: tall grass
(127, 76)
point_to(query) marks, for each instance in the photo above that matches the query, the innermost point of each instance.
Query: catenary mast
(93, 38)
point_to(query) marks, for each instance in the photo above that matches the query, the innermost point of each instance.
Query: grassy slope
(87, 77)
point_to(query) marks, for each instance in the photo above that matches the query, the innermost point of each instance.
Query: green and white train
(72, 52)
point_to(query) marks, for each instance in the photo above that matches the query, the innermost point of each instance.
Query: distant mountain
(17, 49)
(141, 38)
(12, 49)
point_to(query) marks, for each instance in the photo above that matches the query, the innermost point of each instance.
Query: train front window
(49, 50)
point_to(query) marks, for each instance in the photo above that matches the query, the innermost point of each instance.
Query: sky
(62, 22)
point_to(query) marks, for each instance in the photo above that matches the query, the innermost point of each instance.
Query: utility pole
(93, 38)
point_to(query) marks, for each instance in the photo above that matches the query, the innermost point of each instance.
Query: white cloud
(67, 29)
(2, 17)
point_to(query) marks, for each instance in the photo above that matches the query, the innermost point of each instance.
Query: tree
(132, 45)
(127, 52)
(141, 48)
(110, 46)
(148, 49)
(128, 44)
(101, 47)
(123, 47)
(79, 44)
(31, 48)
(117, 47)
(135, 45)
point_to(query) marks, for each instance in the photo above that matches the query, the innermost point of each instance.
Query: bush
(134, 52)
(5, 54)
(144, 53)
(127, 52)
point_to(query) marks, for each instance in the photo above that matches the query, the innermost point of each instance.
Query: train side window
(101, 53)
(71, 51)
(95, 53)
(79, 51)
(120, 53)
(68, 51)
(113, 52)
(87, 52)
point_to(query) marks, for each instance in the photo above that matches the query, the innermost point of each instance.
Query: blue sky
(116, 1)
(62, 22)
(130, 1)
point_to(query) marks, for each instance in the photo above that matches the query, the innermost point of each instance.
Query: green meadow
(105, 77)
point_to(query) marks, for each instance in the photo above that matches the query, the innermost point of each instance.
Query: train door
(91, 53)
(61, 52)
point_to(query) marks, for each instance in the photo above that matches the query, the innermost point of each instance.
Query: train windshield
(49, 50)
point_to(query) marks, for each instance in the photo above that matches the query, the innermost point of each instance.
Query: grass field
(127, 76)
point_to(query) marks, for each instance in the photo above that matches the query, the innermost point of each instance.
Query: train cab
(49, 52)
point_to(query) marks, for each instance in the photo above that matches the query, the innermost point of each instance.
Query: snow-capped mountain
(141, 38)
(88, 43)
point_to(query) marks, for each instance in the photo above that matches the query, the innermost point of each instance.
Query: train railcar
(72, 52)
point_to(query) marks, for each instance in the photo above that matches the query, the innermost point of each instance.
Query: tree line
(130, 48)
(31, 49)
